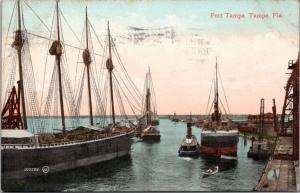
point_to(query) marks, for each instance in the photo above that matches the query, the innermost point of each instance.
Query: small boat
(211, 171)
(228, 157)
(189, 146)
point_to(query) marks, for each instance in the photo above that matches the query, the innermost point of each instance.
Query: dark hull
(36, 161)
(217, 144)
(258, 155)
(151, 137)
(189, 153)
(218, 151)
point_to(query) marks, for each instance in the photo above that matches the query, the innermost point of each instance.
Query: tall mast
(148, 106)
(110, 67)
(86, 28)
(216, 105)
(87, 61)
(148, 95)
(58, 58)
(19, 44)
(299, 30)
(261, 119)
(217, 89)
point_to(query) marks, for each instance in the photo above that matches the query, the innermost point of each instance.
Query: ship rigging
(59, 131)
(219, 136)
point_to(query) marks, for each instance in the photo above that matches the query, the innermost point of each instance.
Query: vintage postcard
(150, 95)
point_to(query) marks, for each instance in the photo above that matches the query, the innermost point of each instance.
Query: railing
(30, 146)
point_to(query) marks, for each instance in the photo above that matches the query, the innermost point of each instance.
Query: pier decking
(280, 174)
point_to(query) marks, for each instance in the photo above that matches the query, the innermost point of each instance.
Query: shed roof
(15, 133)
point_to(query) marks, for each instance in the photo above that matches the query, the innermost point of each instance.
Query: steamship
(219, 136)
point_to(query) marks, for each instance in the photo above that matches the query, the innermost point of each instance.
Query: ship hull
(217, 152)
(37, 161)
(188, 153)
(150, 134)
(219, 143)
(150, 138)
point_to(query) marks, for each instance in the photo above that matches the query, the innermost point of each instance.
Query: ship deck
(221, 131)
(60, 144)
(192, 141)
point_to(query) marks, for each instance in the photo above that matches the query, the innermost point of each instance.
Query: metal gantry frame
(291, 107)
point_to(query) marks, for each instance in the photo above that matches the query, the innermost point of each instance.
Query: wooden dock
(280, 174)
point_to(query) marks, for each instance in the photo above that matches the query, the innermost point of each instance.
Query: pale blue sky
(192, 13)
(253, 53)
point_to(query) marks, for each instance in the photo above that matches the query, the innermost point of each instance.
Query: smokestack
(189, 129)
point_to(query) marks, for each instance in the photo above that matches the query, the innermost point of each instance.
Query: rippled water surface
(153, 167)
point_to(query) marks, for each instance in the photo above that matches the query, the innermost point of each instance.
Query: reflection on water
(155, 167)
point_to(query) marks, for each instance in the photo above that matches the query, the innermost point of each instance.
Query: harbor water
(153, 167)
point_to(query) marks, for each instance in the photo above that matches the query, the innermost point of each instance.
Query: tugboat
(218, 136)
(189, 146)
(149, 123)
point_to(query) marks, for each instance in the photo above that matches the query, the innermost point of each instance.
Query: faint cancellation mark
(200, 47)
(156, 35)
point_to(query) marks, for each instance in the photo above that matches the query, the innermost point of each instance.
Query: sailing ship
(189, 146)
(27, 152)
(219, 136)
(149, 124)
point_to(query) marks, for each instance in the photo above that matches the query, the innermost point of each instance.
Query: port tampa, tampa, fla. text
(274, 15)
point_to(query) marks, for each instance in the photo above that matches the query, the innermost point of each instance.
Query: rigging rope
(224, 93)
(125, 71)
(129, 102)
(46, 61)
(79, 51)
(37, 16)
(119, 101)
(61, 13)
(95, 34)
(66, 44)
(208, 102)
(9, 25)
(133, 97)
(29, 85)
(154, 94)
